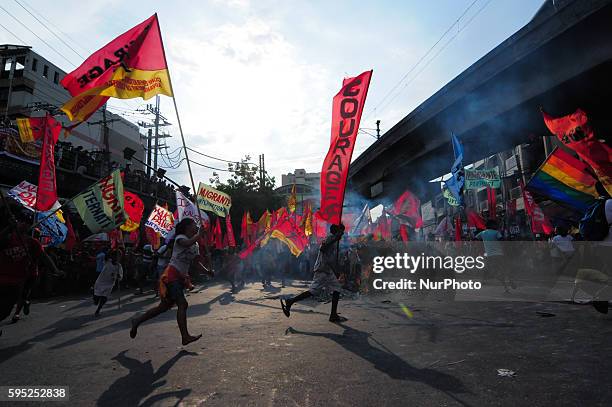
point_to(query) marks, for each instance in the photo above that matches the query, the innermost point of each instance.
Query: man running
(175, 280)
(324, 276)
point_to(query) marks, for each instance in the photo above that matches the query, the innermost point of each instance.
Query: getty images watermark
(413, 264)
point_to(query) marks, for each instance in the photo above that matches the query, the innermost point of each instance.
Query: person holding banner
(323, 275)
(175, 279)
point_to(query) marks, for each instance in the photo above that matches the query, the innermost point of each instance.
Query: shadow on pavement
(293, 310)
(134, 388)
(387, 362)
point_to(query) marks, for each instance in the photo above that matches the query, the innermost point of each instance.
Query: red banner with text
(346, 113)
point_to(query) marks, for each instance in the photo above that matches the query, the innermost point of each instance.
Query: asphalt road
(447, 353)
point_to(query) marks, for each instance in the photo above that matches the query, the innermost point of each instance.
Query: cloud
(246, 86)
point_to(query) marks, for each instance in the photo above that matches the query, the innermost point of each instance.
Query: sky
(258, 77)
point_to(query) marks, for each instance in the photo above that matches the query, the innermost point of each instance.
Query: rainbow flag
(566, 180)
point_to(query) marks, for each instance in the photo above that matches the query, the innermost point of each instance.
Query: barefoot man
(324, 276)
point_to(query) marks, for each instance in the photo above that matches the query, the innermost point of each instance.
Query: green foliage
(247, 193)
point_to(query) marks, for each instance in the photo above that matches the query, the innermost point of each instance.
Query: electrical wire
(13, 34)
(437, 53)
(37, 36)
(55, 26)
(413, 67)
(48, 29)
(222, 159)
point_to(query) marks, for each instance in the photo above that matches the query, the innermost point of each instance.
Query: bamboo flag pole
(178, 119)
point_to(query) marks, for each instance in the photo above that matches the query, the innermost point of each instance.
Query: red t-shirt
(16, 264)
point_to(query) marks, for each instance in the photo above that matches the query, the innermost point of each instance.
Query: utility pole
(105, 135)
(158, 121)
(10, 89)
(149, 152)
(262, 172)
(377, 129)
(156, 131)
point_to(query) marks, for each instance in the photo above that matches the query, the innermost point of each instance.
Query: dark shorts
(175, 292)
(9, 294)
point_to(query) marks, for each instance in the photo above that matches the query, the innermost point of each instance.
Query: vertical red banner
(539, 221)
(47, 189)
(229, 231)
(347, 108)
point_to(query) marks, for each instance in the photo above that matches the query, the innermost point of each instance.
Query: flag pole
(178, 119)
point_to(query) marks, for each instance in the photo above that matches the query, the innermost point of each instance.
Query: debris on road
(506, 373)
(404, 308)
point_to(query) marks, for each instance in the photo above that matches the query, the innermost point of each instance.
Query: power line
(55, 26)
(438, 53)
(36, 35)
(221, 159)
(421, 59)
(48, 29)
(206, 166)
(13, 34)
(126, 102)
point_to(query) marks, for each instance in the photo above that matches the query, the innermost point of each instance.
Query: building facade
(30, 85)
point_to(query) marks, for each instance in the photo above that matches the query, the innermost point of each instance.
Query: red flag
(492, 202)
(474, 220)
(229, 231)
(319, 226)
(132, 65)
(287, 232)
(385, 226)
(404, 232)
(218, 235)
(575, 132)
(47, 189)
(244, 231)
(134, 207)
(152, 237)
(457, 229)
(347, 107)
(539, 222)
(406, 207)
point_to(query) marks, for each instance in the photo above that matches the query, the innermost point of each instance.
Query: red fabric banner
(404, 233)
(244, 232)
(406, 208)
(347, 107)
(539, 222)
(474, 220)
(575, 132)
(492, 202)
(47, 189)
(229, 231)
(457, 229)
(218, 235)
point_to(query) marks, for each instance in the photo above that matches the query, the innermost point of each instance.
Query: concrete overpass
(561, 60)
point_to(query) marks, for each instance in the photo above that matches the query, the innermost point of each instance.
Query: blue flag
(455, 183)
(53, 231)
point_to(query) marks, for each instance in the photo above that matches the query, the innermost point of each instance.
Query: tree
(246, 191)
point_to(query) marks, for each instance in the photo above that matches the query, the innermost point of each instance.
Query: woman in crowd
(175, 279)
